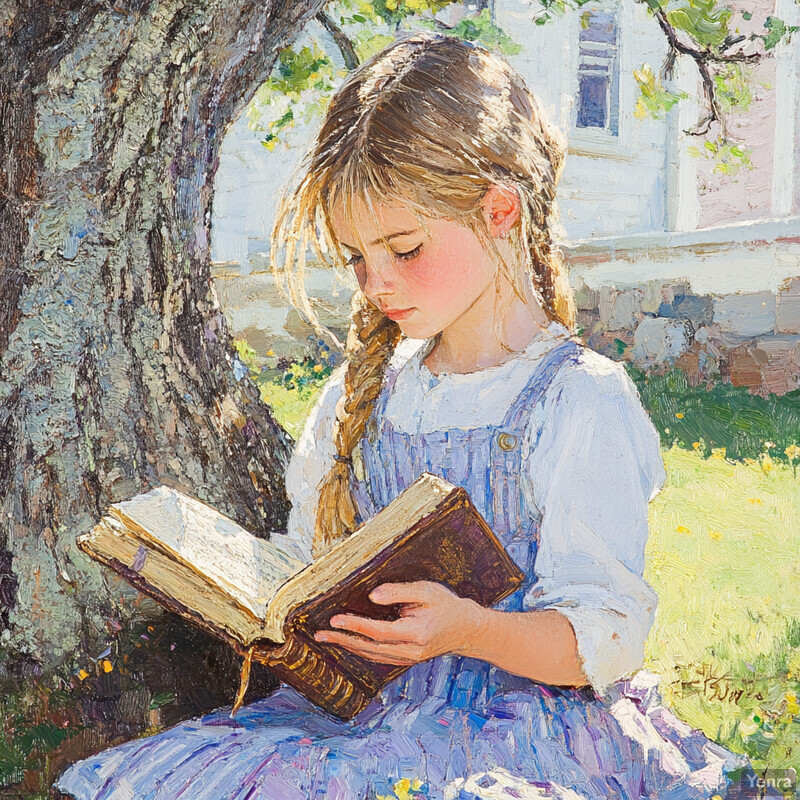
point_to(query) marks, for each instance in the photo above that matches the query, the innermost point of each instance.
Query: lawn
(724, 557)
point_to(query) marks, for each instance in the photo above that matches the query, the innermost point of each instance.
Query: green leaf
(480, 28)
(732, 87)
(367, 43)
(777, 29)
(161, 699)
(703, 20)
(654, 100)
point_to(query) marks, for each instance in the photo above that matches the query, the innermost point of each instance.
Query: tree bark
(116, 366)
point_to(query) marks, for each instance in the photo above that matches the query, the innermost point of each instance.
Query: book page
(161, 576)
(249, 569)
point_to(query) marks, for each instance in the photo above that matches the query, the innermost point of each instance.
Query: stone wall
(750, 339)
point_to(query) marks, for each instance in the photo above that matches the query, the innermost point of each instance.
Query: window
(598, 72)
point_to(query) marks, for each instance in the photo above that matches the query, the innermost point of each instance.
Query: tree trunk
(116, 367)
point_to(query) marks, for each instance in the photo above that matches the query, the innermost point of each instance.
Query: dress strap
(390, 378)
(546, 370)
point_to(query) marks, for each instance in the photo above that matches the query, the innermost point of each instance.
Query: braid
(546, 264)
(370, 344)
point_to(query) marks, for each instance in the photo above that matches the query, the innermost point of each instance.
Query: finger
(410, 592)
(372, 651)
(376, 629)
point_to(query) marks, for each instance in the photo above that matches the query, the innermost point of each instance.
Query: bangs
(363, 182)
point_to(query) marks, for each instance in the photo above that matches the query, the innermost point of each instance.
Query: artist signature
(700, 679)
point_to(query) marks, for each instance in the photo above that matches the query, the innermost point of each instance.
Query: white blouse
(595, 468)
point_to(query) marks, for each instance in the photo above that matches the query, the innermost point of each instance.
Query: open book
(267, 605)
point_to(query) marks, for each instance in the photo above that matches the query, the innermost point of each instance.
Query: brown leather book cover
(453, 545)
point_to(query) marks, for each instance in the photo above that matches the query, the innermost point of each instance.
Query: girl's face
(424, 280)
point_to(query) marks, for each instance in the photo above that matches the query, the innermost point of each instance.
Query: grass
(724, 557)
(289, 407)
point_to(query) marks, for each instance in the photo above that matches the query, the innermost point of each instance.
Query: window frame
(594, 140)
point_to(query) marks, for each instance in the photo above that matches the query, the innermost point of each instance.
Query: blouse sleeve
(593, 471)
(311, 460)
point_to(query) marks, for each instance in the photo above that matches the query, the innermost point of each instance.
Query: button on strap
(506, 441)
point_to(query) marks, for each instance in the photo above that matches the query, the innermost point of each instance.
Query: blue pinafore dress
(456, 728)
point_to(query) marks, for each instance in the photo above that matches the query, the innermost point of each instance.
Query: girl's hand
(433, 621)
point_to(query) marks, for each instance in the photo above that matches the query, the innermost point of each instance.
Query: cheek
(449, 273)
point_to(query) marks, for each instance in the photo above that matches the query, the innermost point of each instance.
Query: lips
(397, 314)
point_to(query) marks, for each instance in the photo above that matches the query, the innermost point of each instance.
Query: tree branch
(702, 58)
(344, 44)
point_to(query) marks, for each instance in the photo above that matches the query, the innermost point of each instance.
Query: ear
(501, 208)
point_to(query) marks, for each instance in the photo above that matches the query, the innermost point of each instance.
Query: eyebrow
(384, 239)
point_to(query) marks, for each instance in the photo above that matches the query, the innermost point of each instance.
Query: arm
(595, 469)
(591, 609)
(539, 645)
(311, 460)
(435, 621)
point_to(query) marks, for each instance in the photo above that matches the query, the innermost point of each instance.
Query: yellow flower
(791, 703)
(756, 501)
(318, 368)
(697, 445)
(682, 529)
(83, 674)
(792, 452)
(402, 789)
(766, 464)
(679, 415)
(270, 352)
(715, 535)
(106, 665)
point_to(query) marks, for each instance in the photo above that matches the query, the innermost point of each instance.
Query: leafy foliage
(555, 8)
(654, 100)
(303, 79)
(777, 29)
(728, 156)
(34, 724)
(704, 20)
(733, 88)
(480, 28)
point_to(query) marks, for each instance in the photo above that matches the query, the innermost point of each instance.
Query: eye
(354, 259)
(410, 254)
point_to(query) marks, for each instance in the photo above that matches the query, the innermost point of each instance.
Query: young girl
(435, 176)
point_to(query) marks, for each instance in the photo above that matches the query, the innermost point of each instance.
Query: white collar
(410, 354)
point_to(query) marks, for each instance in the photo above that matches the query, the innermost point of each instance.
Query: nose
(378, 278)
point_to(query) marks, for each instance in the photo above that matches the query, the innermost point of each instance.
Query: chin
(418, 330)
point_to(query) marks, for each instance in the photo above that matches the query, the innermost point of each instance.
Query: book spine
(302, 666)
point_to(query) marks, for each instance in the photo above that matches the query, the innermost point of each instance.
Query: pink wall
(746, 195)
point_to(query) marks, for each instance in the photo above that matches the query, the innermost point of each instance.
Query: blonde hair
(430, 123)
